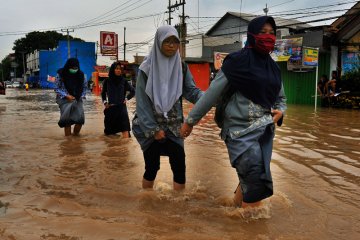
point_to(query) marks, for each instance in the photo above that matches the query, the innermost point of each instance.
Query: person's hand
(159, 135)
(125, 101)
(70, 97)
(106, 105)
(276, 114)
(185, 130)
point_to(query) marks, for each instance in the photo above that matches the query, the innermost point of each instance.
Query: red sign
(108, 43)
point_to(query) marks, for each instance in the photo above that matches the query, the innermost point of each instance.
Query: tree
(31, 42)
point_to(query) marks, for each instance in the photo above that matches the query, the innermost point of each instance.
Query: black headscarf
(115, 85)
(255, 75)
(112, 74)
(73, 82)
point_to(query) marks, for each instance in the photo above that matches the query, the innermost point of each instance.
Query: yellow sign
(310, 56)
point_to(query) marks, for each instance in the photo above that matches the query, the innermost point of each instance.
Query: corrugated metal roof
(280, 22)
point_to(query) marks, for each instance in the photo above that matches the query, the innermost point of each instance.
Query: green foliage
(39, 41)
(349, 101)
(351, 81)
(31, 42)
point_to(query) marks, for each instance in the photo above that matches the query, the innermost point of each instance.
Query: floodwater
(89, 187)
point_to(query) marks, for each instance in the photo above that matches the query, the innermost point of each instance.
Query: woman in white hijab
(162, 82)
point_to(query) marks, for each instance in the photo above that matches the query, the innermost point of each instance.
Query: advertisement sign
(218, 59)
(108, 43)
(350, 61)
(310, 56)
(286, 49)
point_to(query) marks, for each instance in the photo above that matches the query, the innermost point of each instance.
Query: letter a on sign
(109, 41)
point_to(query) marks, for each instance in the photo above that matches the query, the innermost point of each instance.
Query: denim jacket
(241, 114)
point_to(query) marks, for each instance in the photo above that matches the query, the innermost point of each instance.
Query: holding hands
(160, 135)
(70, 98)
(276, 114)
(185, 130)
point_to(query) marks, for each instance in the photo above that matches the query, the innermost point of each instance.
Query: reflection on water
(89, 187)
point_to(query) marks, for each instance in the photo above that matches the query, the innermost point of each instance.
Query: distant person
(162, 82)
(2, 88)
(114, 96)
(250, 82)
(333, 85)
(26, 86)
(70, 91)
(321, 86)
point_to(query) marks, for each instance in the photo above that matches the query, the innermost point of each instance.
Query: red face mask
(264, 43)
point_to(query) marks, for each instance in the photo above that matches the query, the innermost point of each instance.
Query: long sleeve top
(241, 114)
(150, 122)
(115, 92)
(61, 91)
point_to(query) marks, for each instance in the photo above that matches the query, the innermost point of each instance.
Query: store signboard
(310, 56)
(286, 49)
(108, 43)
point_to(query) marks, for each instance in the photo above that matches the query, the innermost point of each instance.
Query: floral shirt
(61, 91)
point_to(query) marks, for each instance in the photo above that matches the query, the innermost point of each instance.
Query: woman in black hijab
(251, 82)
(114, 95)
(70, 90)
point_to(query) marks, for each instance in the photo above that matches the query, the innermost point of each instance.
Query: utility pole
(68, 39)
(124, 44)
(23, 58)
(182, 29)
(266, 10)
(170, 11)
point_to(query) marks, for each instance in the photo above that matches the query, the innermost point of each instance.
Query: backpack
(221, 105)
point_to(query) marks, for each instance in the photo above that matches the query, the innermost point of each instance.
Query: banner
(286, 49)
(218, 59)
(310, 56)
(350, 61)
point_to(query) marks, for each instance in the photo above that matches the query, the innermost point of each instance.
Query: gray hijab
(165, 79)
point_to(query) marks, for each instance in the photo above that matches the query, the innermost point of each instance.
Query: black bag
(221, 105)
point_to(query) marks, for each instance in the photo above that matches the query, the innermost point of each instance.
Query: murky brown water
(89, 187)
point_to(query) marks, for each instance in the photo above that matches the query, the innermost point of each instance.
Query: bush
(350, 81)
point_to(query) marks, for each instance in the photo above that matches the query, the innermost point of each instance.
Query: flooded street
(89, 187)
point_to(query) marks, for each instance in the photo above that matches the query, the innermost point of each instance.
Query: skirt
(116, 119)
(250, 155)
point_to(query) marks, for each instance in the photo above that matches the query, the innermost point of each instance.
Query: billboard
(350, 61)
(310, 56)
(108, 43)
(286, 49)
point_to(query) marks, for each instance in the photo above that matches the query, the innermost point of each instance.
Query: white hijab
(165, 79)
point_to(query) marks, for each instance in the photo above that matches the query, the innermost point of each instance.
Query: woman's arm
(131, 90)
(104, 91)
(144, 108)
(84, 88)
(279, 107)
(208, 100)
(190, 91)
(60, 87)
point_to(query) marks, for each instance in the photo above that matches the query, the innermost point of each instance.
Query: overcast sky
(20, 16)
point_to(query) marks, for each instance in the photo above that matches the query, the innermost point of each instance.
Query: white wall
(333, 59)
(194, 47)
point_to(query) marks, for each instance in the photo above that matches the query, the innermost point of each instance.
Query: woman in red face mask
(248, 89)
